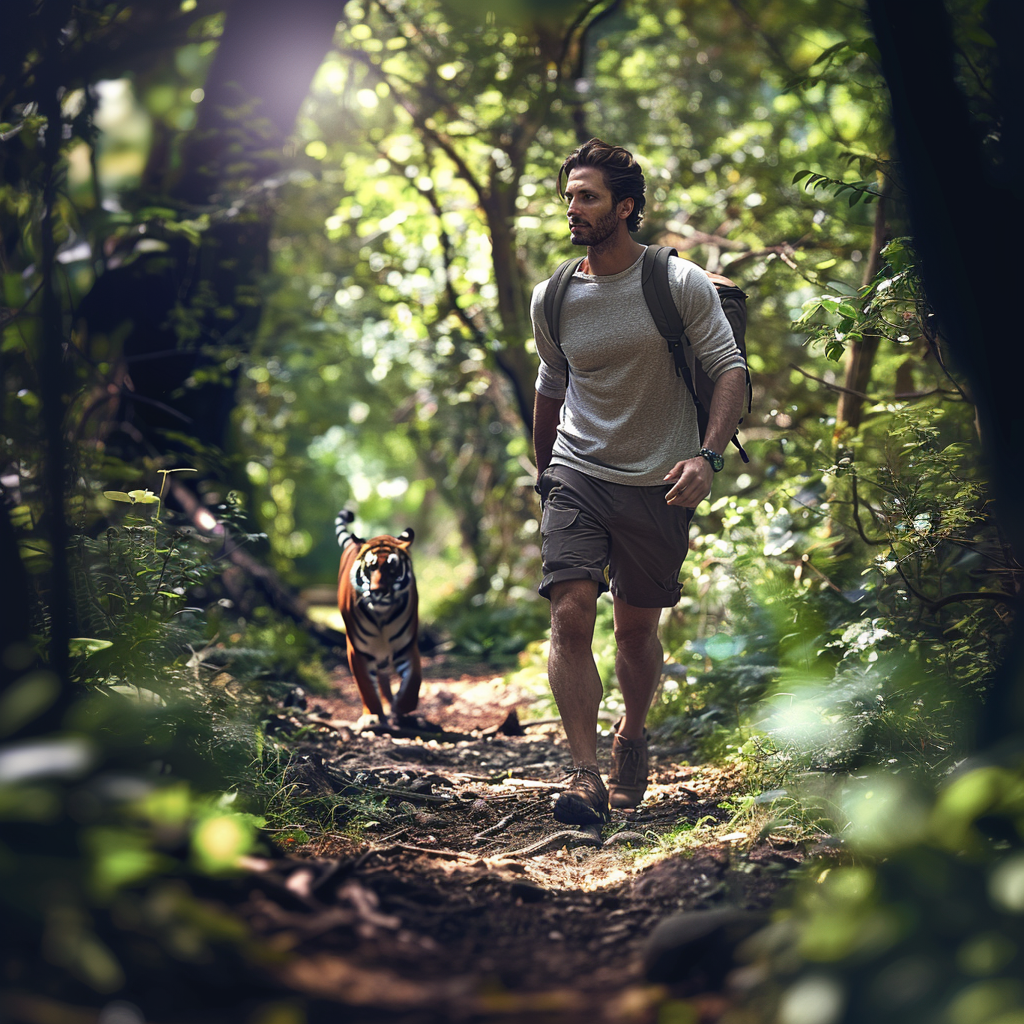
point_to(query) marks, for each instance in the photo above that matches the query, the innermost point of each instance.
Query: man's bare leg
(638, 663)
(638, 660)
(572, 673)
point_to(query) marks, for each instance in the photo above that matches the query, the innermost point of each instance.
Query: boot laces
(628, 762)
(630, 759)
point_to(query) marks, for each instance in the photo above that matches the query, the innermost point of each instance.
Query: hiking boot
(627, 782)
(584, 801)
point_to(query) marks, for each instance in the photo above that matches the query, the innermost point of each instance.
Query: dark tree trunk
(186, 307)
(965, 199)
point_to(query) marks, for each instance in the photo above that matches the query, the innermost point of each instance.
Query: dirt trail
(466, 900)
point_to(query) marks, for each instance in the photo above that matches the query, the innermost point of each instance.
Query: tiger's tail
(341, 528)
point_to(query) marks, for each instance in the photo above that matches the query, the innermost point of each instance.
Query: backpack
(658, 296)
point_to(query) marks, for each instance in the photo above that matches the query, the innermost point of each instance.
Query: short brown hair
(622, 175)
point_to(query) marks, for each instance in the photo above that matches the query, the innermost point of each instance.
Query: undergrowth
(115, 819)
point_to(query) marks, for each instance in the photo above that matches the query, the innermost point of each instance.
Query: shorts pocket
(554, 519)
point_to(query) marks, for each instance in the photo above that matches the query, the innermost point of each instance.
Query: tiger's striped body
(379, 605)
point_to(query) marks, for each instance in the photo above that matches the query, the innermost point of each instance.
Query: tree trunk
(183, 306)
(53, 377)
(964, 203)
(861, 355)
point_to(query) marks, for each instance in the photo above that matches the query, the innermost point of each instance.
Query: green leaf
(868, 47)
(26, 699)
(87, 645)
(117, 496)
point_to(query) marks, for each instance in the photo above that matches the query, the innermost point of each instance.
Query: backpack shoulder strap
(662, 304)
(555, 294)
(658, 293)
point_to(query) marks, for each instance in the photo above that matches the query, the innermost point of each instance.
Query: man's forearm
(546, 414)
(726, 409)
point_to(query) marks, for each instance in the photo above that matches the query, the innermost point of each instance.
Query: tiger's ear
(406, 536)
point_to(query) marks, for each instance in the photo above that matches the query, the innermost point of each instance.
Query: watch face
(717, 461)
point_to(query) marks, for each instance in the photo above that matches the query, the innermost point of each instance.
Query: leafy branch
(859, 191)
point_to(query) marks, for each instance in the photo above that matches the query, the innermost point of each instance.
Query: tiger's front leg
(384, 687)
(366, 679)
(410, 671)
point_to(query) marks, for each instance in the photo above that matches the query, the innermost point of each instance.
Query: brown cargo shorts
(625, 539)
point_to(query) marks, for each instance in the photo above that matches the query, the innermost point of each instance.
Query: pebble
(626, 838)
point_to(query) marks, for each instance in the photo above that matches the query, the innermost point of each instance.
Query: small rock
(479, 809)
(626, 838)
(294, 698)
(528, 892)
(511, 726)
(829, 846)
(698, 945)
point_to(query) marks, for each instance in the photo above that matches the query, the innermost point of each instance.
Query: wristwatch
(717, 461)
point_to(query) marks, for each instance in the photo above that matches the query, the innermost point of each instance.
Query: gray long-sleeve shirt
(627, 417)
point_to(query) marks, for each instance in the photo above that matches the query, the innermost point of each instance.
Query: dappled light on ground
(458, 892)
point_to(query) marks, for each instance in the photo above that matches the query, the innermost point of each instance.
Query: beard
(596, 233)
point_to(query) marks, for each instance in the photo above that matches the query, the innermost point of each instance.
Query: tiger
(379, 605)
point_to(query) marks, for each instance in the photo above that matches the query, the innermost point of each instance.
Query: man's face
(593, 217)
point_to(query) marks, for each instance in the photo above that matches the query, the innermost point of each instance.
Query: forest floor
(467, 901)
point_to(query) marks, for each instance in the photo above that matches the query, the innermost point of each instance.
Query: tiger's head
(382, 572)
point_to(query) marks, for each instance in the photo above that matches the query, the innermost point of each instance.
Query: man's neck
(612, 256)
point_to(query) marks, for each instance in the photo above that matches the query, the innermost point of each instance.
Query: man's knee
(573, 610)
(636, 640)
(636, 631)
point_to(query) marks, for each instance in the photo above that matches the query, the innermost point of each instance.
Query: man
(620, 466)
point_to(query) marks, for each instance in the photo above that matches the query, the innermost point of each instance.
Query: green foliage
(275, 653)
(932, 928)
(490, 631)
(93, 835)
(890, 307)
(895, 542)
(882, 665)
(114, 820)
(858, 191)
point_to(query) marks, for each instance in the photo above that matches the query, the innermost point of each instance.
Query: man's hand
(693, 480)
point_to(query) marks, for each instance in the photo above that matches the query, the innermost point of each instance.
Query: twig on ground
(495, 829)
(444, 854)
(554, 841)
